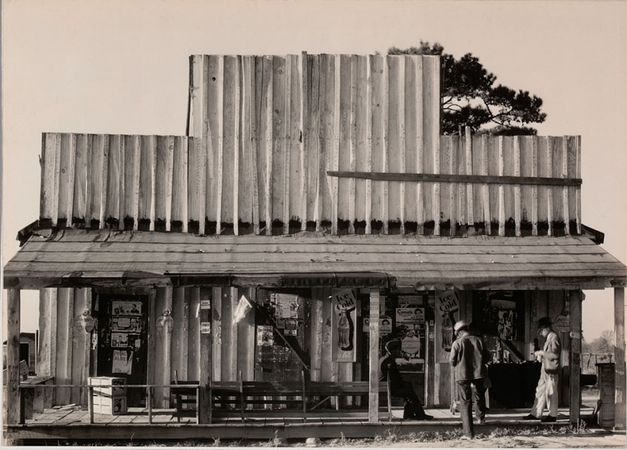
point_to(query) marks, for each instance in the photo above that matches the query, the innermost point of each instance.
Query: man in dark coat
(469, 358)
(398, 386)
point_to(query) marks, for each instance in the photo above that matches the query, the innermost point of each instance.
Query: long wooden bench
(243, 393)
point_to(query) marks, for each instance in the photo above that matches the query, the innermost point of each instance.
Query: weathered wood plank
(67, 177)
(135, 191)
(266, 117)
(501, 191)
(65, 329)
(216, 333)
(220, 150)
(565, 190)
(12, 400)
(317, 321)
(205, 356)
(575, 298)
(335, 142)
(517, 189)
(373, 361)
(303, 124)
(431, 86)
(620, 391)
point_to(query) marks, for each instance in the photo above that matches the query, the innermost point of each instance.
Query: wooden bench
(243, 393)
(184, 396)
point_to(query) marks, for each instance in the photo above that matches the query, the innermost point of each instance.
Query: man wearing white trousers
(547, 392)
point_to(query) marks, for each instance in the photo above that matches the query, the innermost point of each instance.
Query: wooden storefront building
(319, 188)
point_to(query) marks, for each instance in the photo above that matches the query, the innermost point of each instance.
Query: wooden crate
(109, 399)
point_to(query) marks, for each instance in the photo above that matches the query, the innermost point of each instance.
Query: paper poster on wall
(286, 305)
(122, 362)
(265, 336)
(385, 325)
(124, 307)
(344, 318)
(447, 307)
(410, 316)
(506, 324)
(119, 340)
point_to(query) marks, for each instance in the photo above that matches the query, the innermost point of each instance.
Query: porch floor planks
(286, 419)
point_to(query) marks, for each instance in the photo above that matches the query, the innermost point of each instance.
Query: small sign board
(205, 327)
(205, 304)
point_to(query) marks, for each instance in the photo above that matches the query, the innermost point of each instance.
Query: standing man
(469, 358)
(549, 356)
(399, 387)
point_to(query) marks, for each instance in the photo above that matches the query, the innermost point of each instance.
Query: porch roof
(104, 257)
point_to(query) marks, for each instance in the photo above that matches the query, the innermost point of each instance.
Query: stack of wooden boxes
(108, 398)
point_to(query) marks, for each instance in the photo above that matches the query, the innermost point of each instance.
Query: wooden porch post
(13, 357)
(204, 390)
(373, 384)
(575, 298)
(619, 358)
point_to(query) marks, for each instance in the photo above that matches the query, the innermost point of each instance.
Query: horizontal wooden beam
(454, 178)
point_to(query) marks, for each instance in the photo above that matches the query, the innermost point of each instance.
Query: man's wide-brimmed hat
(544, 322)
(460, 324)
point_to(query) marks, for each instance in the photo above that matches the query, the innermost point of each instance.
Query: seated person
(399, 387)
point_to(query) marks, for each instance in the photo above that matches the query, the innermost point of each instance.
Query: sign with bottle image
(343, 323)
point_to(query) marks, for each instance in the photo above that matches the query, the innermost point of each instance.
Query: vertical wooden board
(361, 121)
(80, 346)
(295, 137)
(168, 181)
(194, 180)
(180, 329)
(459, 166)
(246, 341)
(65, 316)
(114, 179)
(412, 134)
(232, 347)
(287, 144)
(534, 189)
(145, 177)
(446, 149)
(197, 87)
(326, 94)
(556, 171)
(312, 141)
(231, 81)
(227, 372)
(578, 191)
(571, 172)
(179, 179)
(509, 168)
(192, 295)
(252, 145)
(303, 88)
(46, 356)
(468, 170)
(327, 372)
(543, 146)
(373, 358)
(485, 189)
(378, 106)
(335, 145)
(216, 333)
(213, 80)
(395, 91)
(431, 117)
(418, 99)
(80, 177)
(47, 175)
(163, 345)
(66, 177)
(317, 325)
(94, 177)
(161, 162)
(266, 155)
(346, 157)
(477, 189)
(13, 411)
(526, 161)
(563, 163)
(493, 164)
(279, 123)
(104, 180)
(246, 148)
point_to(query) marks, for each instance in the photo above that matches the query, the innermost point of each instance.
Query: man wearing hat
(549, 356)
(469, 358)
(398, 386)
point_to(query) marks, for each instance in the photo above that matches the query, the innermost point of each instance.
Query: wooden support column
(619, 358)
(575, 298)
(204, 391)
(13, 357)
(373, 380)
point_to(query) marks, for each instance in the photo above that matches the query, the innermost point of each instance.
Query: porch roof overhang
(83, 258)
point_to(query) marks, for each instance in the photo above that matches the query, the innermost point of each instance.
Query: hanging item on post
(243, 307)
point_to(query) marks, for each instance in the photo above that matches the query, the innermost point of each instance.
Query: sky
(122, 67)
